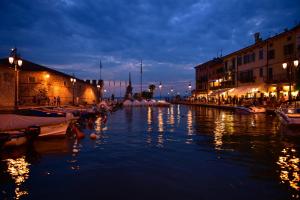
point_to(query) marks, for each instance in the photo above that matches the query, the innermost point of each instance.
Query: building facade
(253, 71)
(40, 85)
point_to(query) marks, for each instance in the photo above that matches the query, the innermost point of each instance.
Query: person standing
(58, 100)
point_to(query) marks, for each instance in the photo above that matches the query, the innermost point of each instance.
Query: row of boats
(151, 102)
(24, 125)
(288, 112)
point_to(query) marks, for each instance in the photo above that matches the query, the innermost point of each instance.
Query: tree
(152, 88)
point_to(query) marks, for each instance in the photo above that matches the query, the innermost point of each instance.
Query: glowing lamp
(20, 62)
(284, 65)
(11, 59)
(296, 63)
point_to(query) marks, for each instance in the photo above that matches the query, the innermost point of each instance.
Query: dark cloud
(171, 36)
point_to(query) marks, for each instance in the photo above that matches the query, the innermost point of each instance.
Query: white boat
(252, 109)
(50, 123)
(54, 130)
(289, 113)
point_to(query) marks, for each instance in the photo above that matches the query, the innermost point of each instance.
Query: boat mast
(141, 77)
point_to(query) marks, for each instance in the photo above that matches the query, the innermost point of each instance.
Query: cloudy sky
(171, 36)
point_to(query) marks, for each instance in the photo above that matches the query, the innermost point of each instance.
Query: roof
(263, 41)
(33, 67)
(210, 62)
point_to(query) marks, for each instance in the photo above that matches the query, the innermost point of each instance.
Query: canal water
(161, 153)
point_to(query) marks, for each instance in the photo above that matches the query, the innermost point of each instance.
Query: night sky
(171, 36)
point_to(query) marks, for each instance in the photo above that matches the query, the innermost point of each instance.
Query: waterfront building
(40, 85)
(253, 71)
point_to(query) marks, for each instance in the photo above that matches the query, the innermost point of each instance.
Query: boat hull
(14, 121)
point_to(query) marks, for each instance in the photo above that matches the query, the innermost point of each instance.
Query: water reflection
(289, 168)
(160, 138)
(19, 172)
(160, 120)
(149, 119)
(219, 131)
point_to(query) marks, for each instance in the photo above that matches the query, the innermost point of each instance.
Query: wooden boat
(289, 113)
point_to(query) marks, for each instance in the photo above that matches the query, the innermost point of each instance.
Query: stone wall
(35, 87)
(7, 85)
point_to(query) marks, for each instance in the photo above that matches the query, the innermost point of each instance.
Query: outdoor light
(20, 62)
(14, 59)
(296, 63)
(284, 65)
(160, 86)
(73, 81)
(190, 86)
(98, 86)
(47, 76)
(11, 59)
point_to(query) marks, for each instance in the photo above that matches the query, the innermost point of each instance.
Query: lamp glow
(296, 63)
(11, 59)
(284, 65)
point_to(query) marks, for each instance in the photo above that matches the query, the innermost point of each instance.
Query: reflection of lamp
(289, 67)
(14, 59)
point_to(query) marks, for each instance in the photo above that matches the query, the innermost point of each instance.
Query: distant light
(47, 76)
(98, 86)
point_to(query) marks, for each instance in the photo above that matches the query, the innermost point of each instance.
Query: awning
(250, 89)
(219, 92)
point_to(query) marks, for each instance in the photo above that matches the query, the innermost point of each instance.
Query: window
(253, 57)
(288, 49)
(261, 54)
(261, 72)
(31, 79)
(239, 60)
(233, 63)
(246, 59)
(271, 54)
(246, 76)
(225, 65)
(270, 74)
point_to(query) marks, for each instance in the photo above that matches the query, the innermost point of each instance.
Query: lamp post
(15, 59)
(289, 67)
(73, 81)
(160, 86)
(98, 92)
(190, 89)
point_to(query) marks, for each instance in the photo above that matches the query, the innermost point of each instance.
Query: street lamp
(98, 92)
(160, 86)
(289, 67)
(73, 81)
(15, 59)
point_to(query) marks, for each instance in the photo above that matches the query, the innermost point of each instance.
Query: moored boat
(18, 138)
(251, 109)
(289, 113)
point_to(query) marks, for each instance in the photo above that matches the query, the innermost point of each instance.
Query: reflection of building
(253, 71)
(37, 83)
